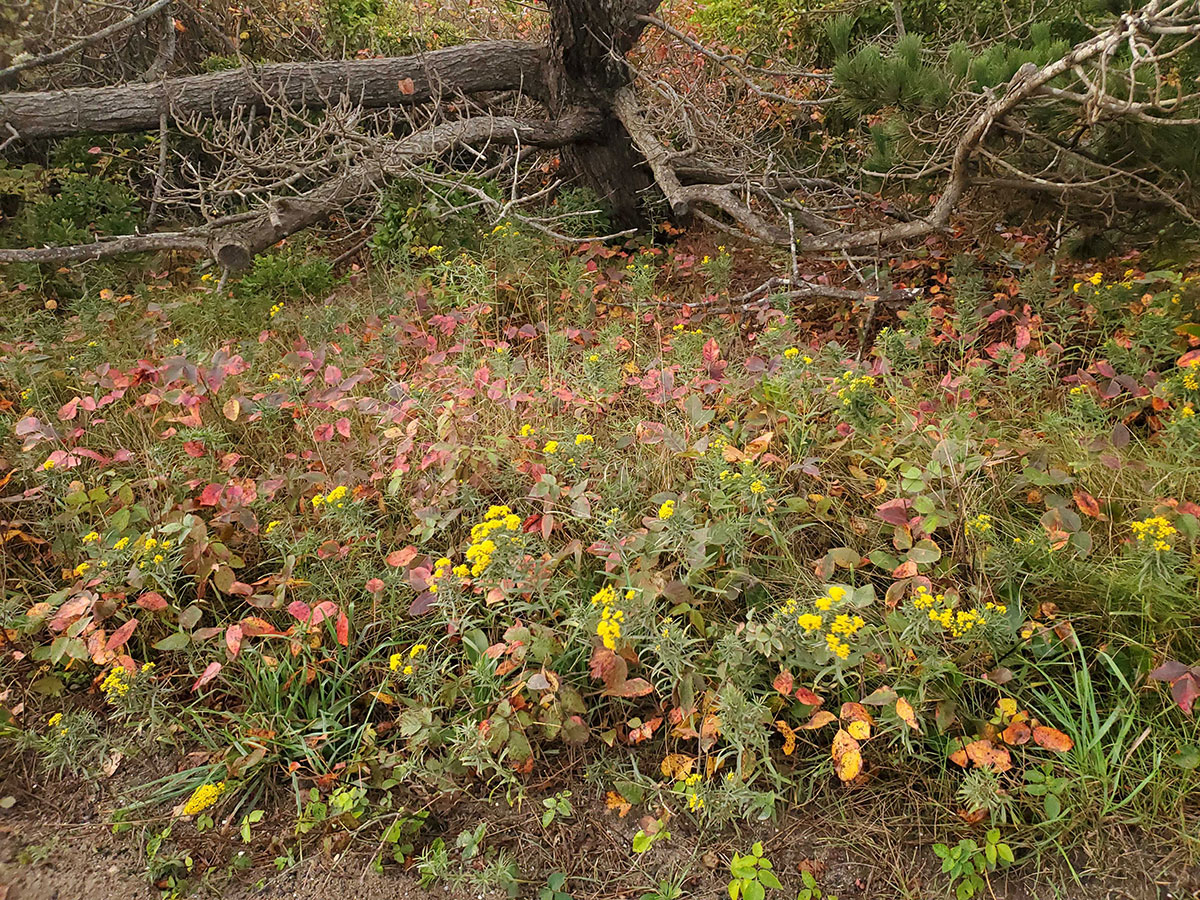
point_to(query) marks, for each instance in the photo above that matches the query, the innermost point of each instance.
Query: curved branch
(47, 59)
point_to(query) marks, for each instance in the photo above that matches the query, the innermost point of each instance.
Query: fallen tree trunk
(373, 83)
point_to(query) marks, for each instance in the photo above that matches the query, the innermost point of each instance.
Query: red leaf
(211, 672)
(808, 697)
(211, 495)
(152, 601)
(233, 639)
(399, 558)
(121, 635)
(300, 610)
(343, 629)
(783, 682)
(374, 585)
(1171, 670)
(406, 86)
(1185, 691)
(343, 427)
(894, 512)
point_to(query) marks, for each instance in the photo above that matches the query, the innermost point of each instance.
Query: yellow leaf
(1007, 707)
(847, 756)
(789, 737)
(907, 714)
(677, 766)
(859, 730)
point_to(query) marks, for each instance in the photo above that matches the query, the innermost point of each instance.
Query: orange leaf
(406, 86)
(820, 719)
(1087, 504)
(907, 714)
(615, 801)
(987, 755)
(1016, 734)
(783, 682)
(1052, 739)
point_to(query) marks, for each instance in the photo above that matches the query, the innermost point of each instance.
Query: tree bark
(472, 68)
(587, 68)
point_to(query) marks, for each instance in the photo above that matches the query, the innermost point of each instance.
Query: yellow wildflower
(203, 797)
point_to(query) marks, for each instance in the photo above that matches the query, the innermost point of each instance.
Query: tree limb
(472, 68)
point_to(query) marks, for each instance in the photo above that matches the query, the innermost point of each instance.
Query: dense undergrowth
(339, 543)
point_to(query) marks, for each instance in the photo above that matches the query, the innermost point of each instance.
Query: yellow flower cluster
(608, 629)
(91, 537)
(581, 439)
(399, 662)
(1155, 531)
(551, 448)
(810, 622)
(853, 387)
(958, 622)
(335, 498)
(526, 430)
(981, 524)
(116, 684)
(846, 625)
(440, 570)
(757, 486)
(483, 546)
(791, 352)
(666, 510)
(203, 797)
(1190, 380)
(55, 721)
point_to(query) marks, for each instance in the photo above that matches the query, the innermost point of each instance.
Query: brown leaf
(406, 86)
(232, 409)
(856, 712)
(1016, 734)
(1052, 739)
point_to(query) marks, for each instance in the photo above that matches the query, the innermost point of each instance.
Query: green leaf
(769, 879)
(1052, 805)
(754, 891)
(1005, 852)
(176, 641)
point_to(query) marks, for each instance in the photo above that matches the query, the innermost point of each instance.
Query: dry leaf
(677, 766)
(789, 736)
(232, 409)
(987, 755)
(907, 714)
(615, 801)
(1016, 734)
(1052, 739)
(820, 719)
(847, 756)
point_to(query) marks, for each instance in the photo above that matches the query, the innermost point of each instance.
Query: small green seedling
(752, 875)
(968, 863)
